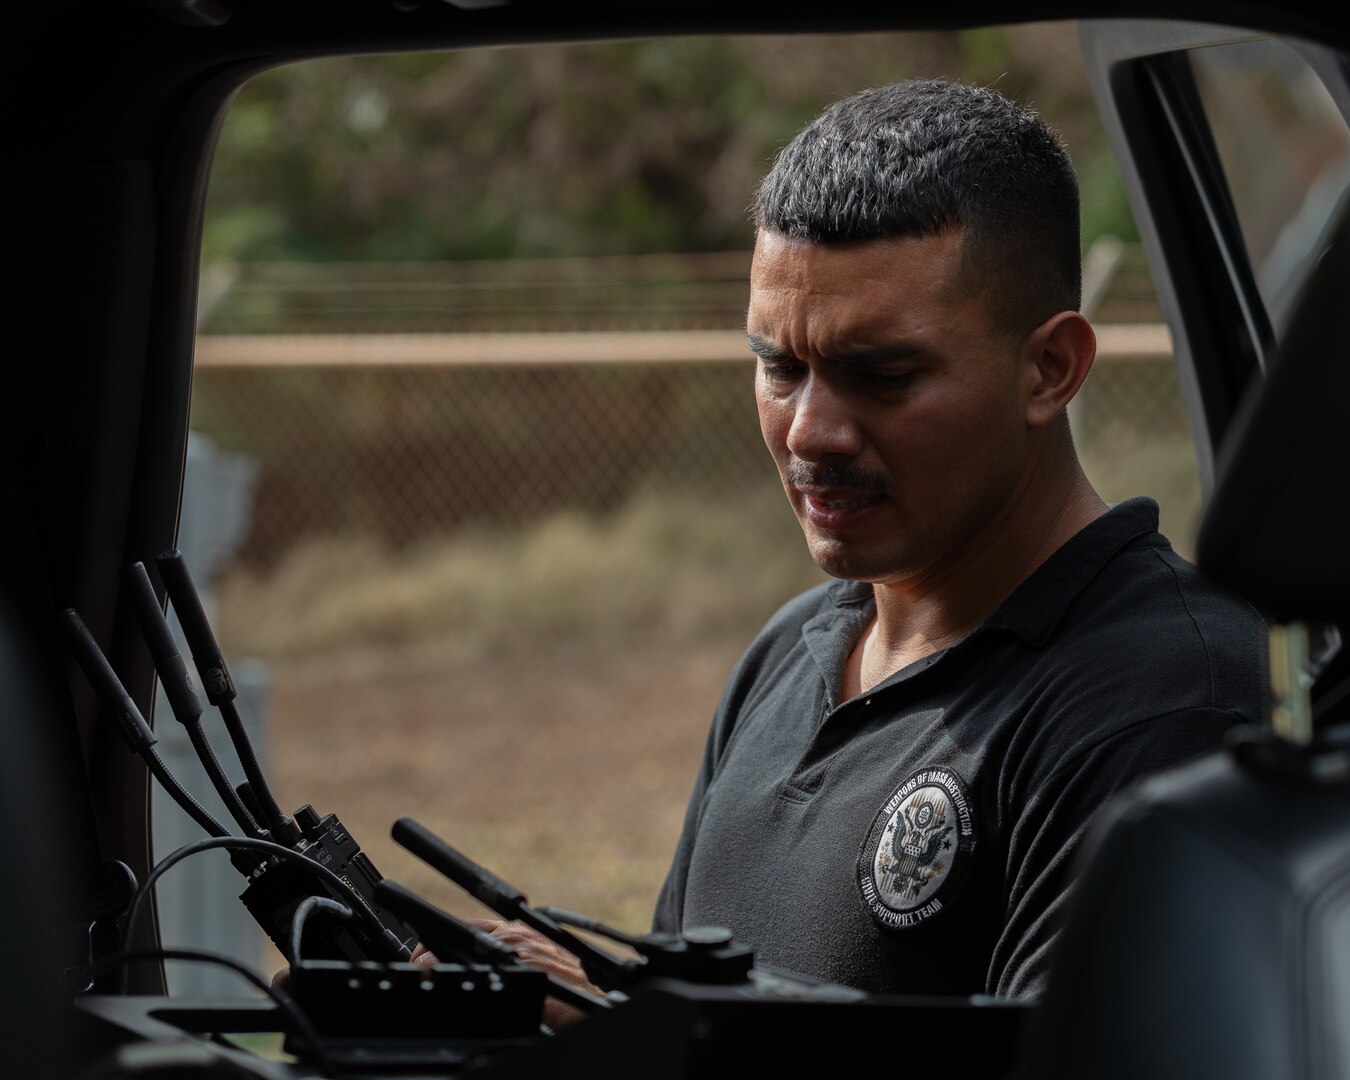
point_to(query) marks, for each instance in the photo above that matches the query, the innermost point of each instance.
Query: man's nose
(823, 424)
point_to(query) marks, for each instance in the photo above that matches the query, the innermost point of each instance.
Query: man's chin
(848, 561)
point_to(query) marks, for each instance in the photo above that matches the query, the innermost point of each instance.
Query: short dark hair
(918, 158)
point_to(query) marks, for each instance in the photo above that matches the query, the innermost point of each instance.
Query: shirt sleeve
(1045, 839)
(669, 915)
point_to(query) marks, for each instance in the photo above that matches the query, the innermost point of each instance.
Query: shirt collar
(1037, 605)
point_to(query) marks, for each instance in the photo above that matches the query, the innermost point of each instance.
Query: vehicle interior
(1212, 932)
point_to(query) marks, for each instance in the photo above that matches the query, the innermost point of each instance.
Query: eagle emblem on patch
(917, 850)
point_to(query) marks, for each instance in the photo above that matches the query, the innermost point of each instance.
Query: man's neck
(920, 616)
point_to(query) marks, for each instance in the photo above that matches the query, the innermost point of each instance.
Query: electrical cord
(248, 758)
(301, 916)
(238, 843)
(206, 754)
(181, 795)
(282, 999)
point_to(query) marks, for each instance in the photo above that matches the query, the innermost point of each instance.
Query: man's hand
(537, 952)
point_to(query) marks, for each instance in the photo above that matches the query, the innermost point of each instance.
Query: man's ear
(1056, 357)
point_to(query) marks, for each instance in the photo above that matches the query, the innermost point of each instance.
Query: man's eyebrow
(868, 356)
(874, 355)
(765, 349)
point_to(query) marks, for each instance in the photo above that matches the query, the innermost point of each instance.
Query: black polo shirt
(917, 838)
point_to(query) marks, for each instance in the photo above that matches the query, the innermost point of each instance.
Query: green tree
(584, 149)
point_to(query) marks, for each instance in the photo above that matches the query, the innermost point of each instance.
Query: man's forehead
(866, 284)
(788, 261)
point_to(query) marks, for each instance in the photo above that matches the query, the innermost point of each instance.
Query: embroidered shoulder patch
(918, 849)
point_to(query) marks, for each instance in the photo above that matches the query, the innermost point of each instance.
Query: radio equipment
(276, 886)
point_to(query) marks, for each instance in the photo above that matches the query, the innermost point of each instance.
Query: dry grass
(665, 568)
(566, 772)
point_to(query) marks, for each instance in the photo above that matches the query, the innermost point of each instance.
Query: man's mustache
(826, 474)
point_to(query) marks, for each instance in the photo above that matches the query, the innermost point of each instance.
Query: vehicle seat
(1210, 933)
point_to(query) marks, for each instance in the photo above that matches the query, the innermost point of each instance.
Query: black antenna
(506, 900)
(216, 681)
(187, 709)
(134, 728)
(447, 936)
(440, 931)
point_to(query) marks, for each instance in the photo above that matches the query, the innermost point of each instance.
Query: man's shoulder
(1146, 668)
(1116, 592)
(1164, 636)
(1119, 574)
(1148, 588)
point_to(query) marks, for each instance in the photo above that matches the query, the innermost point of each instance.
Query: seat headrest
(1277, 528)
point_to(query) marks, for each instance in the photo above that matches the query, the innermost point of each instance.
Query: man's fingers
(423, 955)
(518, 931)
(558, 1014)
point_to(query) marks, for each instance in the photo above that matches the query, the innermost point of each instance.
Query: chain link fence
(403, 451)
(404, 454)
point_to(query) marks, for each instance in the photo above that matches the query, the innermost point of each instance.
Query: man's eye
(885, 377)
(778, 371)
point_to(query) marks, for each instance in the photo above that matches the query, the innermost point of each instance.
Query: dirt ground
(566, 773)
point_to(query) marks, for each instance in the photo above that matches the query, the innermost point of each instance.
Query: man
(905, 759)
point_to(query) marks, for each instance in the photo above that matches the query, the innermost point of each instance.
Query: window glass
(1266, 106)
(477, 487)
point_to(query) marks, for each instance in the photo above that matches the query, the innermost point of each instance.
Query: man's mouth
(836, 496)
(843, 504)
(839, 510)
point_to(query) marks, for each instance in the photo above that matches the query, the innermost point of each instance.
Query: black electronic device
(274, 894)
(277, 886)
(773, 1025)
(701, 954)
(478, 997)
(670, 1030)
(425, 1006)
